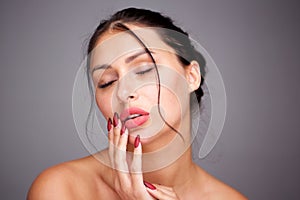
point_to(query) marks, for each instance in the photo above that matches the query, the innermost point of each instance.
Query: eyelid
(147, 67)
(106, 78)
(144, 68)
(106, 84)
(145, 71)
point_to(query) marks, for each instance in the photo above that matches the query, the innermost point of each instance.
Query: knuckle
(135, 169)
(118, 188)
(120, 159)
(120, 145)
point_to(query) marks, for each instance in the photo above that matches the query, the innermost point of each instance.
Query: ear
(193, 75)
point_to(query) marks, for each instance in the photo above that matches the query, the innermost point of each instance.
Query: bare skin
(87, 178)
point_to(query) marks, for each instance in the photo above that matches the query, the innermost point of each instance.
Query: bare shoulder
(226, 193)
(220, 190)
(63, 180)
(50, 184)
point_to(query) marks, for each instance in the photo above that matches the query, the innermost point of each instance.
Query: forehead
(111, 45)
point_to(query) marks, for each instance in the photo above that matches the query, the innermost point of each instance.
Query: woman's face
(125, 81)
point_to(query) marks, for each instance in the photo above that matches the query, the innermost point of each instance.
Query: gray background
(254, 43)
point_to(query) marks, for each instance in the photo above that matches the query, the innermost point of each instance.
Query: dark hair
(181, 43)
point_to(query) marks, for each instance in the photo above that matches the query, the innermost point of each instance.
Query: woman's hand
(128, 176)
(160, 191)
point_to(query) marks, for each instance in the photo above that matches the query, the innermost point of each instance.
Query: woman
(142, 71)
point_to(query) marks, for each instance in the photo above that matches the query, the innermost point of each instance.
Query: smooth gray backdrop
(254, 43)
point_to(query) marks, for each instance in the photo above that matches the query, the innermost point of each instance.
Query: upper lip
(131, 112)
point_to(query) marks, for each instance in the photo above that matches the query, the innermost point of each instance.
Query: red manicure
(137, 141)
(149, 185)
(116, 119)
(109, 124)
(123, 129)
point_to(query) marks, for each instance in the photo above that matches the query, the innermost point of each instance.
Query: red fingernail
(123, 129)
(108, 124)
(149, 185)
(137, 141)
(116, 119)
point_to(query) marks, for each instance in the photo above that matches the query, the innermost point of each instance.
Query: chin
(155, 140)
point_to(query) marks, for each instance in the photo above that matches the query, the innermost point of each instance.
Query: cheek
(175, 97)
(104, 103)
(170, 103)
(148, 95)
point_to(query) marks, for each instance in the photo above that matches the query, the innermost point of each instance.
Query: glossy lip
(137, 121)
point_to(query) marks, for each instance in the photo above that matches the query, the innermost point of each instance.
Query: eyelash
(145, 71)
(105, 85)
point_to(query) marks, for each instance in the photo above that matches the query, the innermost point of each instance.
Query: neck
(171, 165)
(175, 174)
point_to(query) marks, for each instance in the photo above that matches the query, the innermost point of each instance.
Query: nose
(126, 90)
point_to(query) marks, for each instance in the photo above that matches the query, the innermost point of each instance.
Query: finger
(122, 170)
(109, 130)
(123, 138)
(162, 187)
(120, 152)
(117, 128)
(161, 194)
(110, 142)
(136, 165)
(160, 191)
(167, 190)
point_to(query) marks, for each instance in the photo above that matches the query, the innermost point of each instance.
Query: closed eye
(145, 71)
(102, 86)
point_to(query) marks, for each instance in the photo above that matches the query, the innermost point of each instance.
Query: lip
(137, 121)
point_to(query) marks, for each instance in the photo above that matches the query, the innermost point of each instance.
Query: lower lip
(133, 123)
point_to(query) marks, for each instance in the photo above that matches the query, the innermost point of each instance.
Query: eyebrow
(127, 60)
(131, 58)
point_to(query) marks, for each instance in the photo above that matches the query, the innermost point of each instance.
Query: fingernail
(137, 141)
(109, 124)
(149, 185)
(116, 119)
(123, 129)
